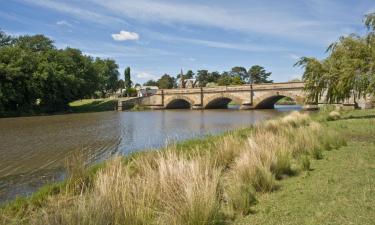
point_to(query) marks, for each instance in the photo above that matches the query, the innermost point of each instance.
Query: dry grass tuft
(334, 115)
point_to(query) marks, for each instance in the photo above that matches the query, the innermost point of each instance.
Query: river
(33, 150)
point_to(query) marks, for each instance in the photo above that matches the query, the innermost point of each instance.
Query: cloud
(146, 75)
(217, 44)
(294, 56)
(271, 19)
(64, 23)
(125, 36)
(77, 11)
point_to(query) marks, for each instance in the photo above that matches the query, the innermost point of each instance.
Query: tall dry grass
(207, 185)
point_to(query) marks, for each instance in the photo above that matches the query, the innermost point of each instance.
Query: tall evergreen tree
(128, 82)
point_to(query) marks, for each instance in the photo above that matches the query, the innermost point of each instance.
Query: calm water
(33, 150)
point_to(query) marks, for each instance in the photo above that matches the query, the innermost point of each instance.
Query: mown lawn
(340, 188)
(93, 105)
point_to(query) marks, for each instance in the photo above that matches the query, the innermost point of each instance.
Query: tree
(166, 82)
(229, 78)
(128, 82)
(315, 84)
(189, 74)
(203, 77)
(121, 85)
(34, 75)
(257, 75)
(370, 21)
(36, 43)
(225, 79)
(5, 39)
(348, 71)
(151, 83)
(240, 72)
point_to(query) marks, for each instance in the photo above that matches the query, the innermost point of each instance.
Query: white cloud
(64, 23)
(77, 11)
(217, 44)
(146, 75)
(260, 18)
(125, 36)
(294, 56)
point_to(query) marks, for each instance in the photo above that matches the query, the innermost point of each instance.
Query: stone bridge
(256, 96)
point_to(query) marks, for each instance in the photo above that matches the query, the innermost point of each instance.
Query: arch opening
(282, 102)
(178, 104)
(277, 101)
(285, 101)
(222, 103)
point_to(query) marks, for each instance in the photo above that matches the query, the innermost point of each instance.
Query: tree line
(35, 75)
(236, 76)
(349, 69)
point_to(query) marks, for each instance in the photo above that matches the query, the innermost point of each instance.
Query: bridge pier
(246, 107)
(197, 107)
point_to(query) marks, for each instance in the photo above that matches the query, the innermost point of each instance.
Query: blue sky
(154, 37)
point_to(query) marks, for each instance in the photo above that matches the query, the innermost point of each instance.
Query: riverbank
(93, 105)
(79, 106)
(211, 181)
(339, 189)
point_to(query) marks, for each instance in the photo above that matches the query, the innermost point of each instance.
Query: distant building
(188, 83)
(143, 91)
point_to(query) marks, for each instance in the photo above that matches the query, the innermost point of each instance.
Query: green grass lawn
(340, 188)
(93, 105)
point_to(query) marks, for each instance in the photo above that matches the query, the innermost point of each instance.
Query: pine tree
(128, 82)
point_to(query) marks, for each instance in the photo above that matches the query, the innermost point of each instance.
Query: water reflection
(33, 150)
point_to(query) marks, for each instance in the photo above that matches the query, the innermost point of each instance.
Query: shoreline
(181, 147)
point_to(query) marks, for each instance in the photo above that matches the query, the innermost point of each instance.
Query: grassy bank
(93, 105)
(218, 180)
(79, 106)
(339, 189)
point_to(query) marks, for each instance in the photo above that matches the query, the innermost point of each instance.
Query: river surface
(33, 150)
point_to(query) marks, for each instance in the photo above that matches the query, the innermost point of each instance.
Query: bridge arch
(221, 101)
(269, 99)
(179, 102)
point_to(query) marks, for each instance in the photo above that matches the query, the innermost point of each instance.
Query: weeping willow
(348, 71)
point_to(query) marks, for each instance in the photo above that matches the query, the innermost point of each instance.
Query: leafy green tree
(36, 43)
(151, 83)
(257, 74)
(112, 74)
(203, 77)
(5, 39)
(166, 82)
(370, 21)
(128, 82)
(189, 74)
(121, 85)
(34, 75)
(225, 79)
(315, 83)
(240, 72)
(348, 71)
